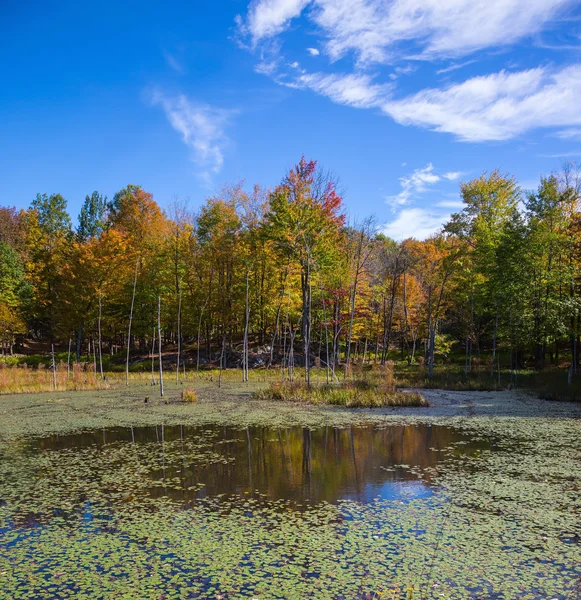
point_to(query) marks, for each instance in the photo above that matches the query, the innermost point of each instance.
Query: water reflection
(298, 464)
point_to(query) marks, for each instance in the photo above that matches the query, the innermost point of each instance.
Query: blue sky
(402, 99)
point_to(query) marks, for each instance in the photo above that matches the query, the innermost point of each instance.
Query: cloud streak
(202, 129)
(499, 106)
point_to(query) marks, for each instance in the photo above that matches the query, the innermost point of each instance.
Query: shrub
(189, 395)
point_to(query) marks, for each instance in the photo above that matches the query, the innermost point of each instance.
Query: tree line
(281, 273)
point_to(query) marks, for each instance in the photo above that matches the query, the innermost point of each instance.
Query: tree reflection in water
(298, 464)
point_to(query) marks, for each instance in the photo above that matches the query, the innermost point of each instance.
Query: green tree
(303, 221)
(48, 241)
(93, 217)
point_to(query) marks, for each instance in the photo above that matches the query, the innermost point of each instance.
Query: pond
(298, 464)
(225, 512)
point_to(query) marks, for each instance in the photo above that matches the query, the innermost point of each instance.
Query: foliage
(277, 277)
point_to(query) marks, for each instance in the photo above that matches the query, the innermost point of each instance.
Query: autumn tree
(303, 222)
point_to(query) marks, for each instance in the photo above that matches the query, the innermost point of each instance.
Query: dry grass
(189, 395)
(19, 379)
(351, 394)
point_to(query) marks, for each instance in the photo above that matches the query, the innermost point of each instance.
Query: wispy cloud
(202, 128)
(357, 90)
(499, 106)
(572, 154)
(173, 62)
(417, 182)
(454, 67)
(267, 18)
(420, 181)
(376, 30)
(569, 134)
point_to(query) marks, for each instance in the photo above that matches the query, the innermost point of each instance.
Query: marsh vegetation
(475, 496)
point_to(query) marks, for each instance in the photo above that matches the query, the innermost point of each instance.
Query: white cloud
(421, 222)
(569, 134)
(375, 29)
(454, 204)
(418, 223)
(353, 90)
(267, 18)
(497, 106)
(418, 182)
(202, 128)
(493, 107)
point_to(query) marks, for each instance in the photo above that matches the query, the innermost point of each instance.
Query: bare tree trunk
(80, 340)
(179, 337)
(277, 323)
(245, 342)
(53, 364)
(431, 349)
(351, 319)
(222, 359)
(405, 316)
(159, 345)
(153, 357)
(494, 338)
(309, 325)
(95, 361)
(130, 321)
(99, 331)
(198, 344)
(291, 356)
(286, 331)
(69, 360)
(326, 337)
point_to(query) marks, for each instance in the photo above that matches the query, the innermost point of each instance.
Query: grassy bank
(352, 394)
(361, 387)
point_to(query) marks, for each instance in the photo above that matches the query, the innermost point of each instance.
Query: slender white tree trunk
(245, 343)
(99, 328)
(53, 366)
(130, 321)
(159, 345)
(179, 337)
(69, 360)
(153, 357)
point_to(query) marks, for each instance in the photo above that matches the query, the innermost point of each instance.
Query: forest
(345, 416)
(263, 277)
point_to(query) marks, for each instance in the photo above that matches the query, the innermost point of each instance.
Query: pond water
(296, 464)
(223, 512)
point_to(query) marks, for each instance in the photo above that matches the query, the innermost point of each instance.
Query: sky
(401, 99)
